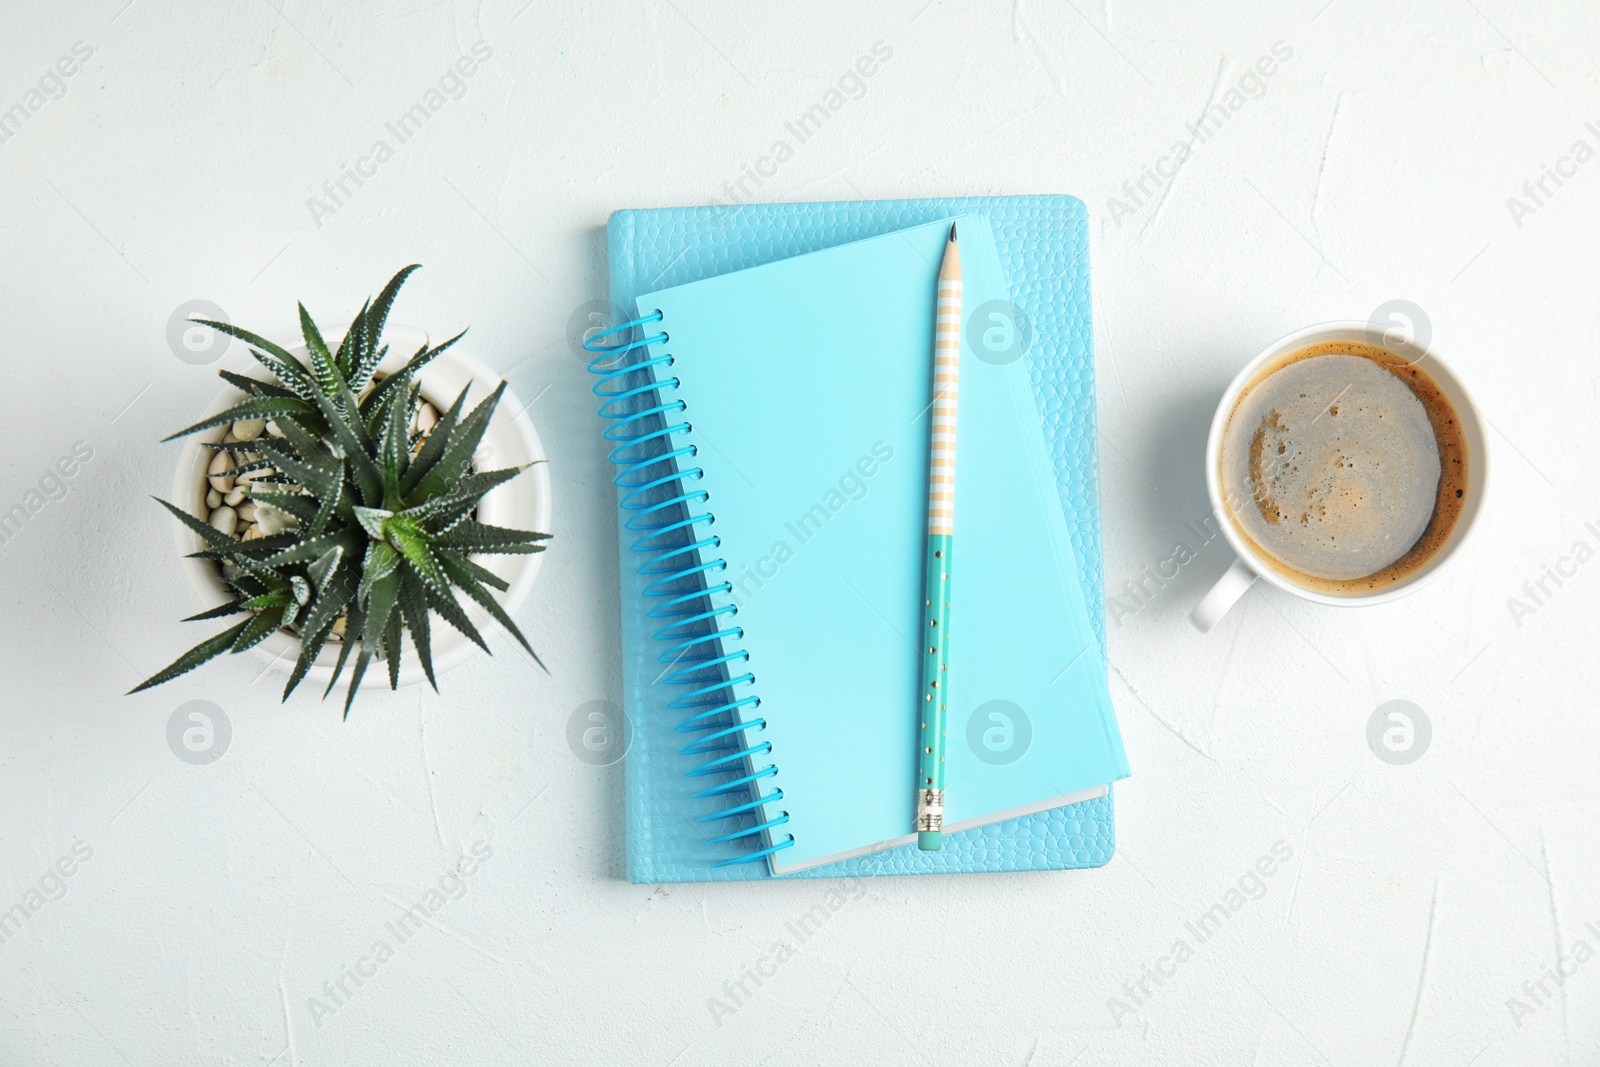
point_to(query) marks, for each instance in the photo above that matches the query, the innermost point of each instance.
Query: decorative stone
(249, 429)
(222, 461)
(272, 520)
(213, 498)
(256, 475)
(427, 417)
(272, 429)
(247, 512)
(234, 496)
(224, 519)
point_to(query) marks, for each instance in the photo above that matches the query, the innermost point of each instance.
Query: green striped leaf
(352, 631)
(322, 364)
(483, 574)
(310, 549)
(312, 476)
(380, 307)
(470, 586)
(392, 453)
(210, 533)
(258, 629)
(205, 650)
(433, 448)
(417, 553)
(380, 607)
(329, 505)
(473, 536)
(232, 607)
(423, 357)
(303, 508)
(373, 322)
(335, 589)
(414, 609)
(369, 483)
(271, 356)
(458, 451)
(380, 563)
(257, 407)
(391, 649)
(451, 612)
(254, 386)
(349, 353)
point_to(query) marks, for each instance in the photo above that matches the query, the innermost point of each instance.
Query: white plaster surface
(1376, 165)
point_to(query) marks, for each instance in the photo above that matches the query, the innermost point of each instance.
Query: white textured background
(1376, 165)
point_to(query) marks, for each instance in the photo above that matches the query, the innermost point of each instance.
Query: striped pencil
(941, 530)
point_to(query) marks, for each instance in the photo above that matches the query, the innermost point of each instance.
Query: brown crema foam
(1448, 498)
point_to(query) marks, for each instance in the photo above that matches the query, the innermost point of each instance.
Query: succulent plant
(378, 523)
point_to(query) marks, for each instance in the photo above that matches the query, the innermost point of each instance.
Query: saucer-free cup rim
(1455, 391)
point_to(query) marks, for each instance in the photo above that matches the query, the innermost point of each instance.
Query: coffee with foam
(1345, 466)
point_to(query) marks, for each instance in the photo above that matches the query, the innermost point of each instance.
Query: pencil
(941, 538)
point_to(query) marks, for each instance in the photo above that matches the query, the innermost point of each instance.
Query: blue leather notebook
(762, 634)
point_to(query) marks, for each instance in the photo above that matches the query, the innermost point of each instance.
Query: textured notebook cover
(1043, 245)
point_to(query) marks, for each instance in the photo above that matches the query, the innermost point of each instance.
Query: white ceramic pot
(523, 503)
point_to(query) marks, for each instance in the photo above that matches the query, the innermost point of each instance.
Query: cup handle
(1229, 588)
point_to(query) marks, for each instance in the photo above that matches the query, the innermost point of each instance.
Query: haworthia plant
(380, 520)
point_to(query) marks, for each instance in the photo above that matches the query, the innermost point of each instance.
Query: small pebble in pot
(213, 498)
(249, 429)
(222, 461)
(234, 496)
(427, 417)
(224, 519)
(247, 512)
(260, 474)
(272, 520)
(253, 532)
(272, 429)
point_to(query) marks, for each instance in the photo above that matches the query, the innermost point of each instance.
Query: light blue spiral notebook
(770, 431)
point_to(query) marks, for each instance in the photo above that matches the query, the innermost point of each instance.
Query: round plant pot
(522, 503)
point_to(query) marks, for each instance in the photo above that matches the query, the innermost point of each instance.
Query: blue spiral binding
(653, 486)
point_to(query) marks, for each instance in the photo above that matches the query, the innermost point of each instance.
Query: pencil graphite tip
(952, 231)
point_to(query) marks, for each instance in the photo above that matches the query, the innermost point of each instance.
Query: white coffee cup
(1249, 564)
